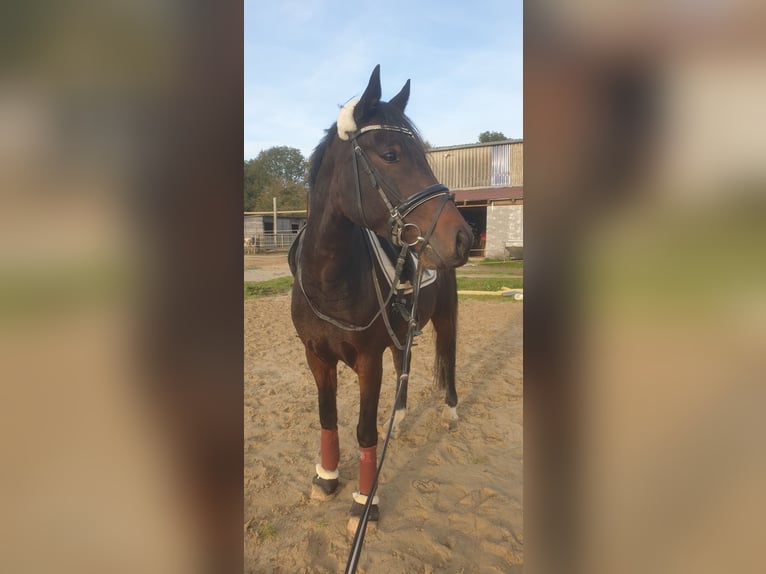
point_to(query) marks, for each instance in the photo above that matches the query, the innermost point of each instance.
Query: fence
(269, 241)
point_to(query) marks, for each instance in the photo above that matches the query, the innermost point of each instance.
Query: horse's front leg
(325, 482)
(369, 369)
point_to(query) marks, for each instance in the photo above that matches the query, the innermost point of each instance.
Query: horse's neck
(331, 248)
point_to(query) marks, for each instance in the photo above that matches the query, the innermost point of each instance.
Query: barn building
(488, 183)
(260, 233)
(487, 180)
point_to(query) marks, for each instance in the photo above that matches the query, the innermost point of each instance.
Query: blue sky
(305, 58)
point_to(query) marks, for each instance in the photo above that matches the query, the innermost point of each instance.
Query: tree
(283, 164)
(486, 137)
(255, 181)
(279, 172)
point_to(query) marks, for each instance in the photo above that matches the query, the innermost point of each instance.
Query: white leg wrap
(327, 474)
(451, 413)
(362, 498)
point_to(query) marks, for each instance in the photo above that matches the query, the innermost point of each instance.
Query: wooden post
(274, 203)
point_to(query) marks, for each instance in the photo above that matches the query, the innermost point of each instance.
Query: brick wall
(504, 223)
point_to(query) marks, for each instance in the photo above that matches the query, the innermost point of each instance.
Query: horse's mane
(385, 114)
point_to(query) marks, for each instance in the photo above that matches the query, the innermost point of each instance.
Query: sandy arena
(451, 500)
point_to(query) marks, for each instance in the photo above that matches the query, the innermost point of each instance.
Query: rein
(397, 226)
(382, 304)
(398, 210)
(412, 332)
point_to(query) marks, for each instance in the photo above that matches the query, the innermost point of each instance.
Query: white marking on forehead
(346, 123)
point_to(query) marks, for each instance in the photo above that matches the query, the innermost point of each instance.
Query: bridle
(396, 226)
(397, 213)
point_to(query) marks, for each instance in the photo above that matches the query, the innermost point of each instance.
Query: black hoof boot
(323, 488)
(357, 510)
(355, 515)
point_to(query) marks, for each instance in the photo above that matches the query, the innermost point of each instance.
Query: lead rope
(412, 331)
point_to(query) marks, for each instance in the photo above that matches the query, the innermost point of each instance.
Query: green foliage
(255, 181)
(500, 264)
(486, 137)
(267, 531)
(279, 172)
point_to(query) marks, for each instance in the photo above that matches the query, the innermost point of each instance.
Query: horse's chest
(331, 350)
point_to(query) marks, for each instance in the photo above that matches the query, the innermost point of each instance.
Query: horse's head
(380, 179)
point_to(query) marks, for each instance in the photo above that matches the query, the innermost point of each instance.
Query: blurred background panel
(644, 318)
(120, 317)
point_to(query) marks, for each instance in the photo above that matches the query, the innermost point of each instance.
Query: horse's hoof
(450, 417)
(399, 415)
(355, 515)
(323, 489)
(353, 524)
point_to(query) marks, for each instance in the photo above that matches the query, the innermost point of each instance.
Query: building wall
(288, 224)
(461, 168)
(253, 225)
(479, 165)
(505, 224)
(285, 224)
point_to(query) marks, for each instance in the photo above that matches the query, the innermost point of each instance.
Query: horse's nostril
(462, 244)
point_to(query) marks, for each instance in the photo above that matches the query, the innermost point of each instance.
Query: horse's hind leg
(325, 482)
(400, 409)
(444, 321)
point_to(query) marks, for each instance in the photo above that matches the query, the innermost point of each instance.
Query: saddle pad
(387, 265)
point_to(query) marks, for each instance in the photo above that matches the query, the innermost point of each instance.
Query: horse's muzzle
(463, 243)
(448, 252)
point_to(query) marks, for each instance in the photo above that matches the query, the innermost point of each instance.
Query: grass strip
(489, 283)
(254, 289)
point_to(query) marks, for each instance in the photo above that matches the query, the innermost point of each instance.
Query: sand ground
(451, 500)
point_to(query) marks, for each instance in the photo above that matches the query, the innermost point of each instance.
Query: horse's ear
(400, 99)
(371, 96)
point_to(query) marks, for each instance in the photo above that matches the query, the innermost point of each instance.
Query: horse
(372, 194)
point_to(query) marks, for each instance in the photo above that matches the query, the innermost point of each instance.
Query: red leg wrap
(330, 449)
(368, 465)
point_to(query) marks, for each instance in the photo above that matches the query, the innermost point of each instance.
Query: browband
(382, 127)
(346, 125)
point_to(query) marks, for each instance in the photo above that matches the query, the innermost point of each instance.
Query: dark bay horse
(372, 193)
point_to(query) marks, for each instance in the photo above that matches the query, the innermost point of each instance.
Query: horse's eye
(389, 156)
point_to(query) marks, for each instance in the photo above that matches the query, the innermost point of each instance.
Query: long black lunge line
(412, 331)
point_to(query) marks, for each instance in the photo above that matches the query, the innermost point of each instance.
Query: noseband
(397, 213)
